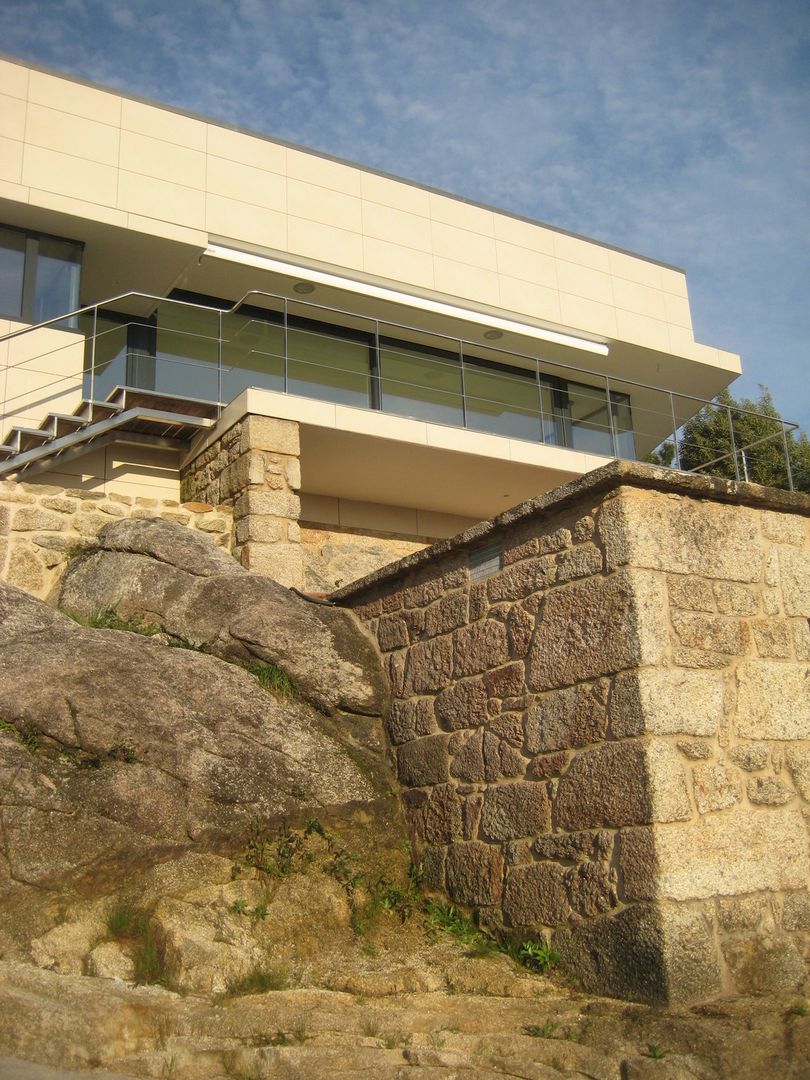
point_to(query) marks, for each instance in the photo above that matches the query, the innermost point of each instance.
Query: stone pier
(254, 466)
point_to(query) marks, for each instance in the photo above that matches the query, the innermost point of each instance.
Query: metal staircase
(127, 415)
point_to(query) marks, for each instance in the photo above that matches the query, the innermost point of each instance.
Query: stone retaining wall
(606, 738)
(41, 525)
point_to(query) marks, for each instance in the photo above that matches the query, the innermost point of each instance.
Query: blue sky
(676, 129)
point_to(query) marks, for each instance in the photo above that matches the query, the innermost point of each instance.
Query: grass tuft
(259, 981)
(271, 678)
(542, 1031)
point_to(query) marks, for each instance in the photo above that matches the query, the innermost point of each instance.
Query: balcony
(198, 349)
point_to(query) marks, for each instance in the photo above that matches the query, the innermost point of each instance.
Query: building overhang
(373, 457)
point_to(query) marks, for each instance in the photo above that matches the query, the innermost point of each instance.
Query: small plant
(259, 981)
(121, 919)
(134, 926)
(537, 956)
(240, 906)
(447, 917)
(542, 1031)
(801, 1008)
(656, 1052)
(30, 738)
(148, 957)
(7, 727)
(123, 752)
(272, 678)
(111, 620)
(90, 760)
(371, 1027)
(436, 1040)
(169, 1069)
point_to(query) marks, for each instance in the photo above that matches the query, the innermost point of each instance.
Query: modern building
(431, 361)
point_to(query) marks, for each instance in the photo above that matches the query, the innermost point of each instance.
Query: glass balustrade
(200, 351)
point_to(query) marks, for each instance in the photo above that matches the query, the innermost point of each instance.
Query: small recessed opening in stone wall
(486, 561)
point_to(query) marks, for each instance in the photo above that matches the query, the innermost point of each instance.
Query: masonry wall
(607, 741)
(41, 525)
(254, 467)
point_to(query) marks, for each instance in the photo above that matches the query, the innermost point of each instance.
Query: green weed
(121, 919)
(259, 981)
(542, 1031)
(29, 737)
(537, 956)
(240, 906)
(130, 924)
(656, 1052)
(447, 917)
(110, 620)
(272, 678)
(123, 752)
(801, 1008)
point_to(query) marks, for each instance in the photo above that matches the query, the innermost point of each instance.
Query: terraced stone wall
(601, 727)
(41, 525)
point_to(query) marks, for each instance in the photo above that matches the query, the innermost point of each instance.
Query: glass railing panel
(502, 403)
(623, 425)
(252, 355)
(415, 384)
(108, 359)
(187, 352)
(589, 419)
(329, 368)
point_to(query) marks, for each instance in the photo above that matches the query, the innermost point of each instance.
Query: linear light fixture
(318, 277)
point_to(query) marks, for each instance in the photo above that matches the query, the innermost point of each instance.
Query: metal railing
(189, 349)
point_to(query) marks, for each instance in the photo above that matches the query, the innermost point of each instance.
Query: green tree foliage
(705, 443)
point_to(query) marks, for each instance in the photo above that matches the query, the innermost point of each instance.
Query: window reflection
(39, 276)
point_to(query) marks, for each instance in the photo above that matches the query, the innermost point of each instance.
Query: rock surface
(166, 575)
(117, 752)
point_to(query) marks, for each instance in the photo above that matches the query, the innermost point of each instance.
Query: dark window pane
(415, 384)
(57, 279)
(504, 403)
(590, 424)
(623, 426)
(328, 367)
(252, 355)
(186, 354)
(12, 267)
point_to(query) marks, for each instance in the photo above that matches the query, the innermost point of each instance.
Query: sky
(678, 129)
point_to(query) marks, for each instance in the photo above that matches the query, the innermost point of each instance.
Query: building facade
(414, 362)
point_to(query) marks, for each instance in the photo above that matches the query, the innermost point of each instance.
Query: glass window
(420, 384)
(39, 276)
(328, 366)
(506, 403)
(56, 288)
(12, 270)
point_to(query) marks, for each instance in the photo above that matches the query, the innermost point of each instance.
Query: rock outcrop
(166, 575)
(118, 751)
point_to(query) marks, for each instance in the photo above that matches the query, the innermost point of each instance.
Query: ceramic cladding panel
(100, 154)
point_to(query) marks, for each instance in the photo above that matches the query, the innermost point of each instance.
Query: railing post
(93, 355)
(787, 456)
(463, 387)
(539, 385)
(733, 444)
(219, 363)
(674, 430)
(286, 343)
(613, 440)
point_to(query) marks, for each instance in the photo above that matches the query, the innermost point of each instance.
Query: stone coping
(597, 482)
